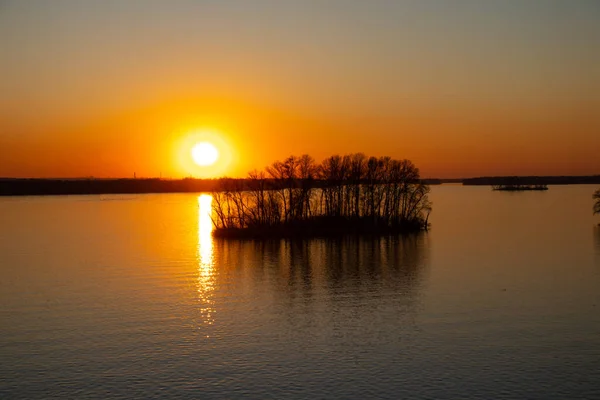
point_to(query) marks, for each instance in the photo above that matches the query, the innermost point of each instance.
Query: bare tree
(352, 191)
(307, 172)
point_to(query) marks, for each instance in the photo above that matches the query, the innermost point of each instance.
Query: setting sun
(205, 153)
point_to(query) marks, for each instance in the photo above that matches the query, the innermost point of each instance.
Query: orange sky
(107, 89)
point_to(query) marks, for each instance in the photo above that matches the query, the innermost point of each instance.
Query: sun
(205, 153)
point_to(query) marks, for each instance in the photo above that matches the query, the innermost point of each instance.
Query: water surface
(129, 296)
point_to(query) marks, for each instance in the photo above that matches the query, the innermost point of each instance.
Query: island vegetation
(343, 194)
(519, 187)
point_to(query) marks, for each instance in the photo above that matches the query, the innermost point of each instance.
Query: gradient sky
(462, 88)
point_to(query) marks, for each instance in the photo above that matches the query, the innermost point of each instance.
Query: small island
(518, 187)
(350, 194)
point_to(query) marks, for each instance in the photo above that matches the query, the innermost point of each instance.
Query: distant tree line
(28, 187)
(351, 192)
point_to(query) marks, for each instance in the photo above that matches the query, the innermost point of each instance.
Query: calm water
(129, 296)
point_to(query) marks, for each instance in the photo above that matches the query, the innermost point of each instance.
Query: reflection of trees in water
(336, 294)
(597, 240)
(366, 264)
(300, 268)
(337, 268)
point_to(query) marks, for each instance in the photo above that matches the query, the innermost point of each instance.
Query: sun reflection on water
(206, 279)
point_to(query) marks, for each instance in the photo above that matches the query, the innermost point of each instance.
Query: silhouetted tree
(596, 196)
(348, 192)
(307, 172)
(332, 173)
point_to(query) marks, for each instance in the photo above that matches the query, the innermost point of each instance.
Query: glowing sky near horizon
(462, 88)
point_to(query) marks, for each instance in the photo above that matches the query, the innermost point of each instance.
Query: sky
(462, 88)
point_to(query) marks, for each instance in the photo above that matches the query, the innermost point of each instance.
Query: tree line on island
(343, 194)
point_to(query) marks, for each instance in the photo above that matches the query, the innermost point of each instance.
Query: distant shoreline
(532, 180)
(92, 186)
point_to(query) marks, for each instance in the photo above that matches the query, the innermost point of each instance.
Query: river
(129, 296)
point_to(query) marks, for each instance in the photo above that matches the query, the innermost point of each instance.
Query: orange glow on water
(206, 279)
